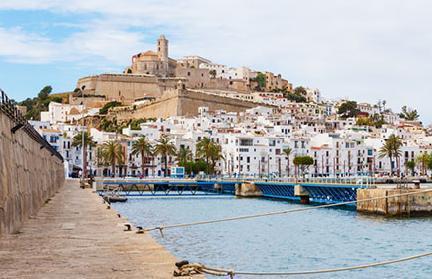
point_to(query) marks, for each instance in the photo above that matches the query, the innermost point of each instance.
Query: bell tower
(162, 48)
(162, 51)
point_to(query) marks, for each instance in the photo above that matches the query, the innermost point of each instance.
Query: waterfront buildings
(253, 142)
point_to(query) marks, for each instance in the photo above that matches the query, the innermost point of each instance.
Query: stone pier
(247, 189)
(74, 235)
(412, 205)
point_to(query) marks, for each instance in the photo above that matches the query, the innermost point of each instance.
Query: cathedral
(154, 63)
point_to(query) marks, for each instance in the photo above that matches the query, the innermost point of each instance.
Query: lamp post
(84, 155)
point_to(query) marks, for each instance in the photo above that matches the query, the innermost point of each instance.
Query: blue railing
(319, 193)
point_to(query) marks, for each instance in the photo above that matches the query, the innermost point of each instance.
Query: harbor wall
(412, 205)
(29, 175)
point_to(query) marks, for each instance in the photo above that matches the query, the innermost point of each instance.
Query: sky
(364, 50)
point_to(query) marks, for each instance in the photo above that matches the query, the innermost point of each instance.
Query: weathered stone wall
(420, 204)
(185, 103)
(28, 176)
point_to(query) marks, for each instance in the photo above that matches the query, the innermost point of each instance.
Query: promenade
(75, 236)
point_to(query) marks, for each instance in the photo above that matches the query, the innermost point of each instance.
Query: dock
(74, 235)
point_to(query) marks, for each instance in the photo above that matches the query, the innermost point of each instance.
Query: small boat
(115, 198)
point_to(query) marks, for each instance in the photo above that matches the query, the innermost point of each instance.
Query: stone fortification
(29, 174)
(183, 102)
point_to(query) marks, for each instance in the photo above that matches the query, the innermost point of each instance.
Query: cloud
(366, 50)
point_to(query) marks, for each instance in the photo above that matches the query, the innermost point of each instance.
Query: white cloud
(366, 50)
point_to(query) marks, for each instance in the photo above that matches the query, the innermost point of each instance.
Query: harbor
(302, 241)
(215, 139)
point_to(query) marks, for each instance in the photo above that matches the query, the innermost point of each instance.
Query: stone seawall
(29, 176)
(412, 205)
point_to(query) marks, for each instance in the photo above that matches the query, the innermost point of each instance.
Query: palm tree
(215, 155)
(100, 160)
(113, 153)
(409, 114)
(165, 148)
(204, 151)
(411, 166)
(184, 155)
(391, 149)
(423, 160)
(143, 147)
(287, 152)
(77, 141)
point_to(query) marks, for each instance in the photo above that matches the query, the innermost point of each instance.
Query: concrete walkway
(75, 236)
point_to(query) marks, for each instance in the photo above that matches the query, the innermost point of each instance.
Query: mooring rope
(161, 227)
(189, 269)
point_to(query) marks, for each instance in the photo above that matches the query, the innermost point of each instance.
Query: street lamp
(84, 167)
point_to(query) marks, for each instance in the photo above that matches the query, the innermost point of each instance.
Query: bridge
(316, 191)
(168, 187)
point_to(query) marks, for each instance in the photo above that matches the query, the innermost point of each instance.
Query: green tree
(409, 114)
(77, 141)
(261, 80)
(348, 109)
(215, 156)
(287, 152)
(423, 160)
(107, 106)
(429, 162)
(212, 73)
(165, 148)
(411, 166)
(143, 147)
(298, 98)
(391, 149)
(300, 90)
(112, 152)
(184, 155)
(303, 163)
(45, 92)
(192, 167)
(204, 150)
(135, 123)
(100, 160)
(40, 103)
(365, 121)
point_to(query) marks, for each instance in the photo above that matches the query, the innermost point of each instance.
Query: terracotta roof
(74, 111)
(149, 53)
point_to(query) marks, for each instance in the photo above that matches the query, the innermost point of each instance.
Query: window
(246, 142)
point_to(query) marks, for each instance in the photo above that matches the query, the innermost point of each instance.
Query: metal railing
(363, 181)
(20, 123)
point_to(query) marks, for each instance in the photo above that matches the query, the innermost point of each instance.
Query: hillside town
(213, 119)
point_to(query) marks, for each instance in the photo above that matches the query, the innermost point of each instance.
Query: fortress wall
(29, 176)
(125, 88)
(164, 107)
(190, 101)
(185, 103)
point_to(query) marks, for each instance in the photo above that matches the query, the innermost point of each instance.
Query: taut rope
(161, 227)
